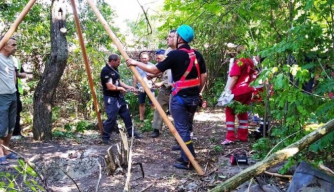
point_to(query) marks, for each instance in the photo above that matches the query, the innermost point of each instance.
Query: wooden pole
(147, 90)
(280, 156)
(16, 23)
(89, 74)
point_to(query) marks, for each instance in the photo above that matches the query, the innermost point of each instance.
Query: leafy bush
(262, 147)
(71, 128)
(213, 94)
(9, 180)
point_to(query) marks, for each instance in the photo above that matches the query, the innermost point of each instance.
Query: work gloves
(225, 98)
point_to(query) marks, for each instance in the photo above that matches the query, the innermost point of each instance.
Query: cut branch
(278, 175)
(275, 158)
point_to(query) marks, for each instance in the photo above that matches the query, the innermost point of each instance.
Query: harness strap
(182, 83)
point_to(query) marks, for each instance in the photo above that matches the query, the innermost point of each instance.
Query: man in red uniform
(241, 76)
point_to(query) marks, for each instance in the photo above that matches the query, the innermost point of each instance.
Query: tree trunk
(275, 158)
(54, 69)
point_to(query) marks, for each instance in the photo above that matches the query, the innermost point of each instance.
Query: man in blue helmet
(189, 76)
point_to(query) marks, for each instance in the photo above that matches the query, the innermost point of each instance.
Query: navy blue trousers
(183, 109)
(115, 106)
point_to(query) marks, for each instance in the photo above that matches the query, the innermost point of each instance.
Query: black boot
(106, 142)
(135, 134)
(115, 129)
(183, 165)
(184, 161)
(259, 132)
(179, 159)
(176, 147)
(155, 133)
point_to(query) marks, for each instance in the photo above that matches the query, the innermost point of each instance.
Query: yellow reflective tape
(19, 85)
(187, 143)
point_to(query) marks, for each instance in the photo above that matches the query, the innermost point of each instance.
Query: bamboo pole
(147, 90)
(89, 74)
(16, 23)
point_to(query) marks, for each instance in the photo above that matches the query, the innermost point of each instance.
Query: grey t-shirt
(7, 75)
(143, 75)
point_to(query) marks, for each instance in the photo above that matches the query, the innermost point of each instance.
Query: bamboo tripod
(125, 55)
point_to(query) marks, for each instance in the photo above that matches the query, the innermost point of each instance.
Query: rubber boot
(186, 163)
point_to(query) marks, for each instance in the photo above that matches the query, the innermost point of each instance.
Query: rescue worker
(115, 104)
(189, 76)
(164, 86)
(242, 74)
(20, 75)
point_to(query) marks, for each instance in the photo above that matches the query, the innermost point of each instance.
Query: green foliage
(132, 101)
(215, 90)
(58, 133)
(262, 148)
(81, 126)
(71, 128)
(213, 139)
(217, 148)
(55, 113)
(239, 107)
(290, 162)
(9, 181)
(146, 125)
(323, 143)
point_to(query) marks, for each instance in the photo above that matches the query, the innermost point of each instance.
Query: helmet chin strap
(177, 41)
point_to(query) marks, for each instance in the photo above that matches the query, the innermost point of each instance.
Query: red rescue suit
(243, 68)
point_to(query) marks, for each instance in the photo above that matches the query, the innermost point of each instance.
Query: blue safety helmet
(160, 52)
(186, 33)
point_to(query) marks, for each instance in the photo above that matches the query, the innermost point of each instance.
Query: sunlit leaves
(279, 81)
(294, 69)
(308, 5)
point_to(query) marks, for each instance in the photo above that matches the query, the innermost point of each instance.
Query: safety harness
(183, 83)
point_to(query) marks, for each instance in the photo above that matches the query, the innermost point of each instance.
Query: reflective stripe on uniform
(243, 127)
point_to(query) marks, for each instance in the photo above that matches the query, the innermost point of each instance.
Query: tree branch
(275, 158)
(69, 177)
(41, 177)
(149, 27)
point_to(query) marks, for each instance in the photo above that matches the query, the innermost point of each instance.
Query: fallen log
(275, 158)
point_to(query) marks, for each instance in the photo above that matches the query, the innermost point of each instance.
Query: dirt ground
(82, 159)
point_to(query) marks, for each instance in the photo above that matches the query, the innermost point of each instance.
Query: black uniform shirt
(108, 75)
(178, 61)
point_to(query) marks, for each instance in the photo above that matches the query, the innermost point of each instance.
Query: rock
(307, 178)
(191, 186)
(255, 188)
